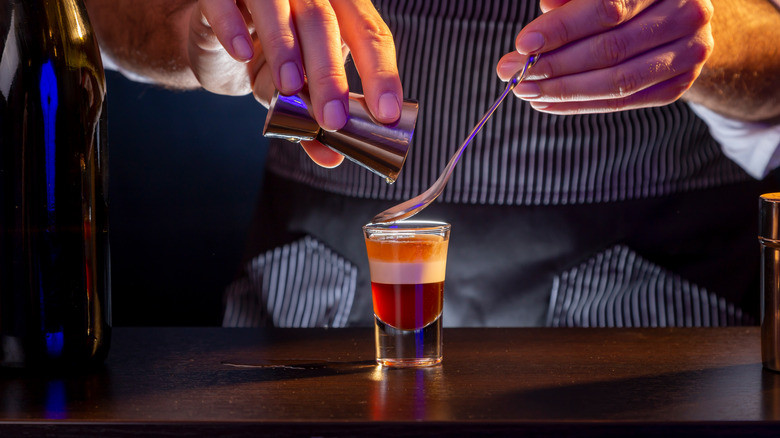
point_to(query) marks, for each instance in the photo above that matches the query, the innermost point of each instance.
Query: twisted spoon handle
(413, 206)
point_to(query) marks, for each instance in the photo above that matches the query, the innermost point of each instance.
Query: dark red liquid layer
(408, 306)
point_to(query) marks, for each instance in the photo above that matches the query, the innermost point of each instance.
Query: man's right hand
(237, 47)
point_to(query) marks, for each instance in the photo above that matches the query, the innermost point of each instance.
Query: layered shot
(407, 262)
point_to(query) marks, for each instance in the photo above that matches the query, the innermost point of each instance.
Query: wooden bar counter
(324, 382)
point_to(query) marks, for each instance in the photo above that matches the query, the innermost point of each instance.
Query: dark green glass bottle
(55, 283)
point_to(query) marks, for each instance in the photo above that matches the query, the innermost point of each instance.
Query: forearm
(740, 79)
(146, 37)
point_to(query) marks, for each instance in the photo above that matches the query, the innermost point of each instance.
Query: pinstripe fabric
(302, 284)
(447, 53)
(618, 288)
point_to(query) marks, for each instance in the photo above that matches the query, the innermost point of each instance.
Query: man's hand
(237, 47)
(611, 55)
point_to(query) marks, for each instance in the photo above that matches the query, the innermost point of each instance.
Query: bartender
(619, 189)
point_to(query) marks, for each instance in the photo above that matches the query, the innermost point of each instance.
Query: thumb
(321, 154)
(549, 5)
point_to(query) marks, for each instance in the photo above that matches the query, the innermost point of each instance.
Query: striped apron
(633, 218)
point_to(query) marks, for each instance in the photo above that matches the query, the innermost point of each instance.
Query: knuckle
(698, 13)
(384, 74)
(284, 40)
(611, 47)
(700, 49)
(661, 67)
(310, 14)
(560, 30)
(325, 75)
(544, 69)
(563, 31)
(626, 83)
(613, 12)
(377, 34)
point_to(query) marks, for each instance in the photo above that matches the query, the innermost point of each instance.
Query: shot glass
(407, 262)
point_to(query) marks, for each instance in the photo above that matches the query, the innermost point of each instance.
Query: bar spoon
(413, 206)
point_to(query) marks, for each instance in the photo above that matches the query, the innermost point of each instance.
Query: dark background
(185, 169)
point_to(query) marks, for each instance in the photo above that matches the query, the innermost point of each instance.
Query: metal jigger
(378, 147)
(769, 238)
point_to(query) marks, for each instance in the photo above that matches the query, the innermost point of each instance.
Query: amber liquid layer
(408, 306)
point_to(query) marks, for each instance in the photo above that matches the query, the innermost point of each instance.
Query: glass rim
(408, 225)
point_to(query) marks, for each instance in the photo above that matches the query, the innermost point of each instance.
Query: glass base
(408, 348)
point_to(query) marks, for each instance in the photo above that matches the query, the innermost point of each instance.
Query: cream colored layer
(407, 273)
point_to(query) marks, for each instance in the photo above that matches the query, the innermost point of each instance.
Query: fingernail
(530, 43)
(290, 77)
(389, 109)
(242, 48)
(334, 115)
(509, 68)
(527, 90)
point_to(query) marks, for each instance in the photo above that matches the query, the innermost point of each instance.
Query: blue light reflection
(49, 103)
(55, 408)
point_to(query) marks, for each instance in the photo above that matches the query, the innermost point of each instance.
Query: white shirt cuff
(109, 64)
(755, 147)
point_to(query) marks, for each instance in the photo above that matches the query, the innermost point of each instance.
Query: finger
(548, 5)
(575, 20)
(318, 31)
(321, 154)
(652, 28)
(625, 79)
(514, 62)
(660, 94)
(373, 52)
(211, 63)
(274, 25)
(263, 91)
(225, 19)
(262, 83)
